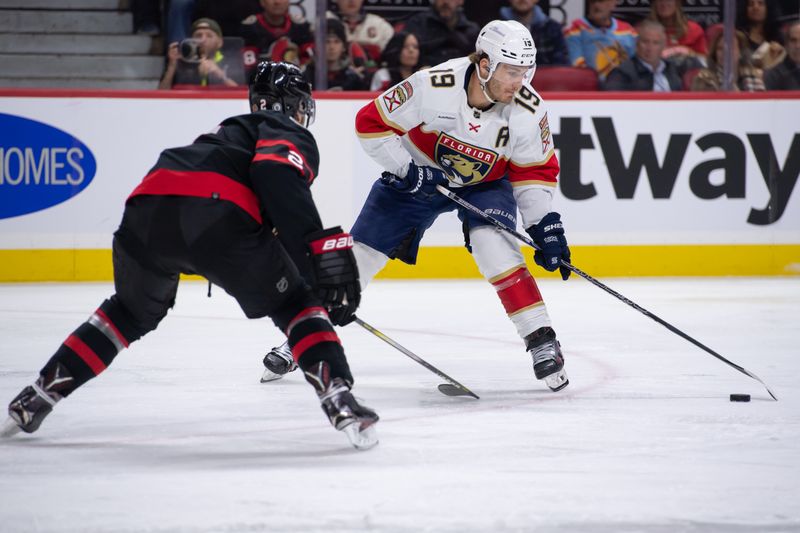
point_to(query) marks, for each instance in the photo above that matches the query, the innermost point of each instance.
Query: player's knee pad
(369, 261)
(494, 251)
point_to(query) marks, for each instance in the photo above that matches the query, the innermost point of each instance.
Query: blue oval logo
(40, 166)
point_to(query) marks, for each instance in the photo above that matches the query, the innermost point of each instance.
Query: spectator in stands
(444, 32)
(686, 40)
(785, 76)
(179, 19)
(746, 77)
(263, 30)
(598, 40)
(146, 16)
(758, 20)
(370, 31)
(401, 60)
(548, 36)
(200, 61)
(229, 13)
(647, 70)
(342, 75)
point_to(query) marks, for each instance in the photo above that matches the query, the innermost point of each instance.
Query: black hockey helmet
(281, 87)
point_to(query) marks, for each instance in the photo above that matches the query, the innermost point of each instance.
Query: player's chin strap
(482, 82)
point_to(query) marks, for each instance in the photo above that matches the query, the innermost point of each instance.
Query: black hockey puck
(740, 397)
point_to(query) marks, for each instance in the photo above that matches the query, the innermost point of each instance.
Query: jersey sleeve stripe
(543, 173)
(371, 119)
(276, 150)
(545, 161)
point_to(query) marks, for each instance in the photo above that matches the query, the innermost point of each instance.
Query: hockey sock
(313, 339)
(89, 349)
(517, 290)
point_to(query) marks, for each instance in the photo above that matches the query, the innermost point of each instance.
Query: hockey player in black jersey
(234, 207)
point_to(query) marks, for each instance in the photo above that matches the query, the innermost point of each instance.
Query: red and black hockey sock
(313, 339)
(90, 348)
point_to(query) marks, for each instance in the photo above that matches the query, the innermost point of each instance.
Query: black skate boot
(548, 361)
(344, 412)
(277, 362)
(27, 411)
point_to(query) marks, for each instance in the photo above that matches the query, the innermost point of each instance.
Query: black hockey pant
(161, 237)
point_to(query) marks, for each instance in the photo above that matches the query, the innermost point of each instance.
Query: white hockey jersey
(427, 117)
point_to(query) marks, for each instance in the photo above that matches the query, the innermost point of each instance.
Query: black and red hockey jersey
(262, 162)
(258, 33)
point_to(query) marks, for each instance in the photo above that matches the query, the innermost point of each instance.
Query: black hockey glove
(335, 273)
(548, 235)
(419, 180)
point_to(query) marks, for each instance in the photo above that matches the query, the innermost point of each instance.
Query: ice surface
(179, 435)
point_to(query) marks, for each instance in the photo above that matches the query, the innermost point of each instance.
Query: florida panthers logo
(465, 164)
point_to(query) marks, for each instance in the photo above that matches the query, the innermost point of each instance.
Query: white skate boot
(548, 361)
(278, 362)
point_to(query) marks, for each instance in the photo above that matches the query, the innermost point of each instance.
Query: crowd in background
(210, 43)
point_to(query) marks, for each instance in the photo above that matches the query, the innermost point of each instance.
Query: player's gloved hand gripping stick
(335, 273)
(419, 180)
(564, 263)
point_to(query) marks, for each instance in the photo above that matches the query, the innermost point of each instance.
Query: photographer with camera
(199, 60)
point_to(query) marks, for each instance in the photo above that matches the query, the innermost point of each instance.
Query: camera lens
(189, 49)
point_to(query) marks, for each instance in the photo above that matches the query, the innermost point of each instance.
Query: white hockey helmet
(506, 41)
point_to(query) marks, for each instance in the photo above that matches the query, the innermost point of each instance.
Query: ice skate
(34, 403)
(342, 409)
(278, 362)
(548, 361)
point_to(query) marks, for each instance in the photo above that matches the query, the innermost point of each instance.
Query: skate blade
(269, 375)
(557, 380)
(9, 428)
(361, 439)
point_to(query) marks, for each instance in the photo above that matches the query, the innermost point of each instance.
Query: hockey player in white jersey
(476, 125)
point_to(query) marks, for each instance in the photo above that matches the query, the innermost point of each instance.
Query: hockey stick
(451, 388)
(527, 240)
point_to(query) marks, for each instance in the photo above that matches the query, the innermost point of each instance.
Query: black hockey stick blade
(448, 389)
(527, 240)
(451, 388)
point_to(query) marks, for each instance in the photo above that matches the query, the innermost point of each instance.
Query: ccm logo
(339, 243)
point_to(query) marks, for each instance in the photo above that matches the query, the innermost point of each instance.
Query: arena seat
(562, 78)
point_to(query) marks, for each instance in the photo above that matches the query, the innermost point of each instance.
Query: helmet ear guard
(280, 87)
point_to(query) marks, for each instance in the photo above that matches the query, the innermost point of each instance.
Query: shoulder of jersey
(523, 113)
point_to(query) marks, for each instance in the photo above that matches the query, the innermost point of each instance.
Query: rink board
(673, 185)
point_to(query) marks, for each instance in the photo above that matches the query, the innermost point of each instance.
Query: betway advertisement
(641, 171)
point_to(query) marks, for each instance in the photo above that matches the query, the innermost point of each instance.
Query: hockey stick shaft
(527, 240)
(413, 356)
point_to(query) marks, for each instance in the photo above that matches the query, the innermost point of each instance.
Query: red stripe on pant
(312, 340)
(517, 291)
(87, 354)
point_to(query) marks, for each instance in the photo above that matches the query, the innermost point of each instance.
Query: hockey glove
(419, 180)
(335, 273)
(548, 235)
